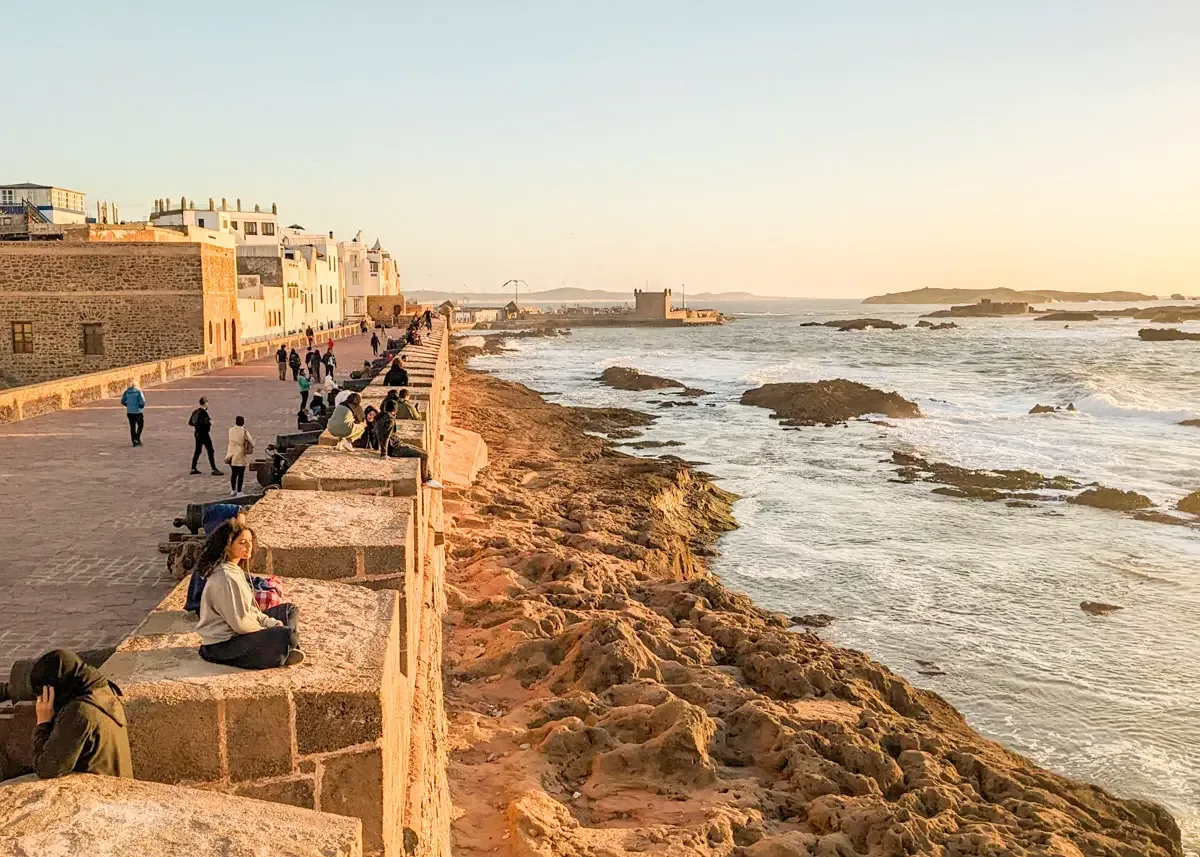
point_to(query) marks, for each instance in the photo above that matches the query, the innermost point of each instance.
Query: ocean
(986, 594)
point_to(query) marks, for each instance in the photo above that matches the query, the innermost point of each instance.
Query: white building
(255, 228)
(56, 204)
(320, 251)
(366, 272)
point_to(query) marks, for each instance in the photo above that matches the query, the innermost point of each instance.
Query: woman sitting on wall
(81, 727)
(397, 375)
(348, 421)
(233, 630)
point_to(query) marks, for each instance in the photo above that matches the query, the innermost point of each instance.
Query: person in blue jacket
(134, 402)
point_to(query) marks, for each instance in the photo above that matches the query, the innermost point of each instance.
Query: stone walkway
(84, 511)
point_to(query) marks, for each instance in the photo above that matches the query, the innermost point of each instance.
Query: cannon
(193, 518)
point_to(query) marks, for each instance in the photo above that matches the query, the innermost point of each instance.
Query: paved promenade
(84, 511)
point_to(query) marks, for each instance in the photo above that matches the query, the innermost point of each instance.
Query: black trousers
(263, 649)
(295, 372)
(375, 348)
(400, 450)
(237, 477)
(136, 423)
(204, 441)
(303, 399)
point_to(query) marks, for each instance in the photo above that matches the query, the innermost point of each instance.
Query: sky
(783, 148)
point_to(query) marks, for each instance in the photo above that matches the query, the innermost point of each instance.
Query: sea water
(986, 594)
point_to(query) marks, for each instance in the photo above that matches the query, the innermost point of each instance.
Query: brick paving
(84, 511)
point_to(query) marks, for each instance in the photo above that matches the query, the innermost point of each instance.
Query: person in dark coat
(81, 726)
(375, 344)
(281, 357)
(397, 375)
(201, 424)
(391, 446)
(294, 363)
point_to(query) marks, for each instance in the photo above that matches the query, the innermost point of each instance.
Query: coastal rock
(607, 701)
(813, 620)
(949, 325)
(827, 402)
(650, 444)
(1190, 503)
(623, 378)
(1051, 409)
(865, 324)
(614, 422)
(990, 485)
(1112, 498)
(1192, 423)
(1098, 608)
(962, 296)
(1068, 316)
(1169, 334)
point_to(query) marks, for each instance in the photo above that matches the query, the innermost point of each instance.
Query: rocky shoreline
(607, 695)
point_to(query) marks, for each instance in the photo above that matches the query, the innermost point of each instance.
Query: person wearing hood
(294, 363)
(397, 375)
(81, 726)
(135, 402)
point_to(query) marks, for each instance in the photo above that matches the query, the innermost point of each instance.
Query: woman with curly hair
(233, 630)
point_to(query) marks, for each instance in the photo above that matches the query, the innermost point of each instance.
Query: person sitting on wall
(348, 421)
(397, 375)
(233, 630)
(392, 447)
(367, 439)
(81, 726)
(405, 409)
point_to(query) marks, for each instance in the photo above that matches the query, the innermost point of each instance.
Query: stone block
(353, 784)
(173, 739)
(325, 469)
(333, 535)
(97, 816)
(297, 791)
(257, 744)
(332, 720)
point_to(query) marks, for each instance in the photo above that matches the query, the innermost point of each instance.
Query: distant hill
(570, 295)
(970, 296)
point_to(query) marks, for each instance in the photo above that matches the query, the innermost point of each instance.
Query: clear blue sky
(777, 147)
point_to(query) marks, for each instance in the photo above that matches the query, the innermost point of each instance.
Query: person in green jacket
(303, 383)
(81, 726)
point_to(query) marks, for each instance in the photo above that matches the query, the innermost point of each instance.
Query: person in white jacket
(233, 631)
(241, 447)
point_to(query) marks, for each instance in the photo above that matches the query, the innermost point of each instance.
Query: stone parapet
(330, 734)
(96, 816)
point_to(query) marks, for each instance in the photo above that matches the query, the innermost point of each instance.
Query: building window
(7, 196)
(224, 223)
(22, 337)
(268, 228)
(200, 221)
(210, 333)
(233, 225)
(354, 276)
(93, 340)
(374, 267)
(251, 227)
(5, 221)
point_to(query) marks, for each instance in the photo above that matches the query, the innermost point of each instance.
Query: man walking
(201, 424)
(294, 363)
(375, 344)
(309, 333)
(134, 402)
(281, 357)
